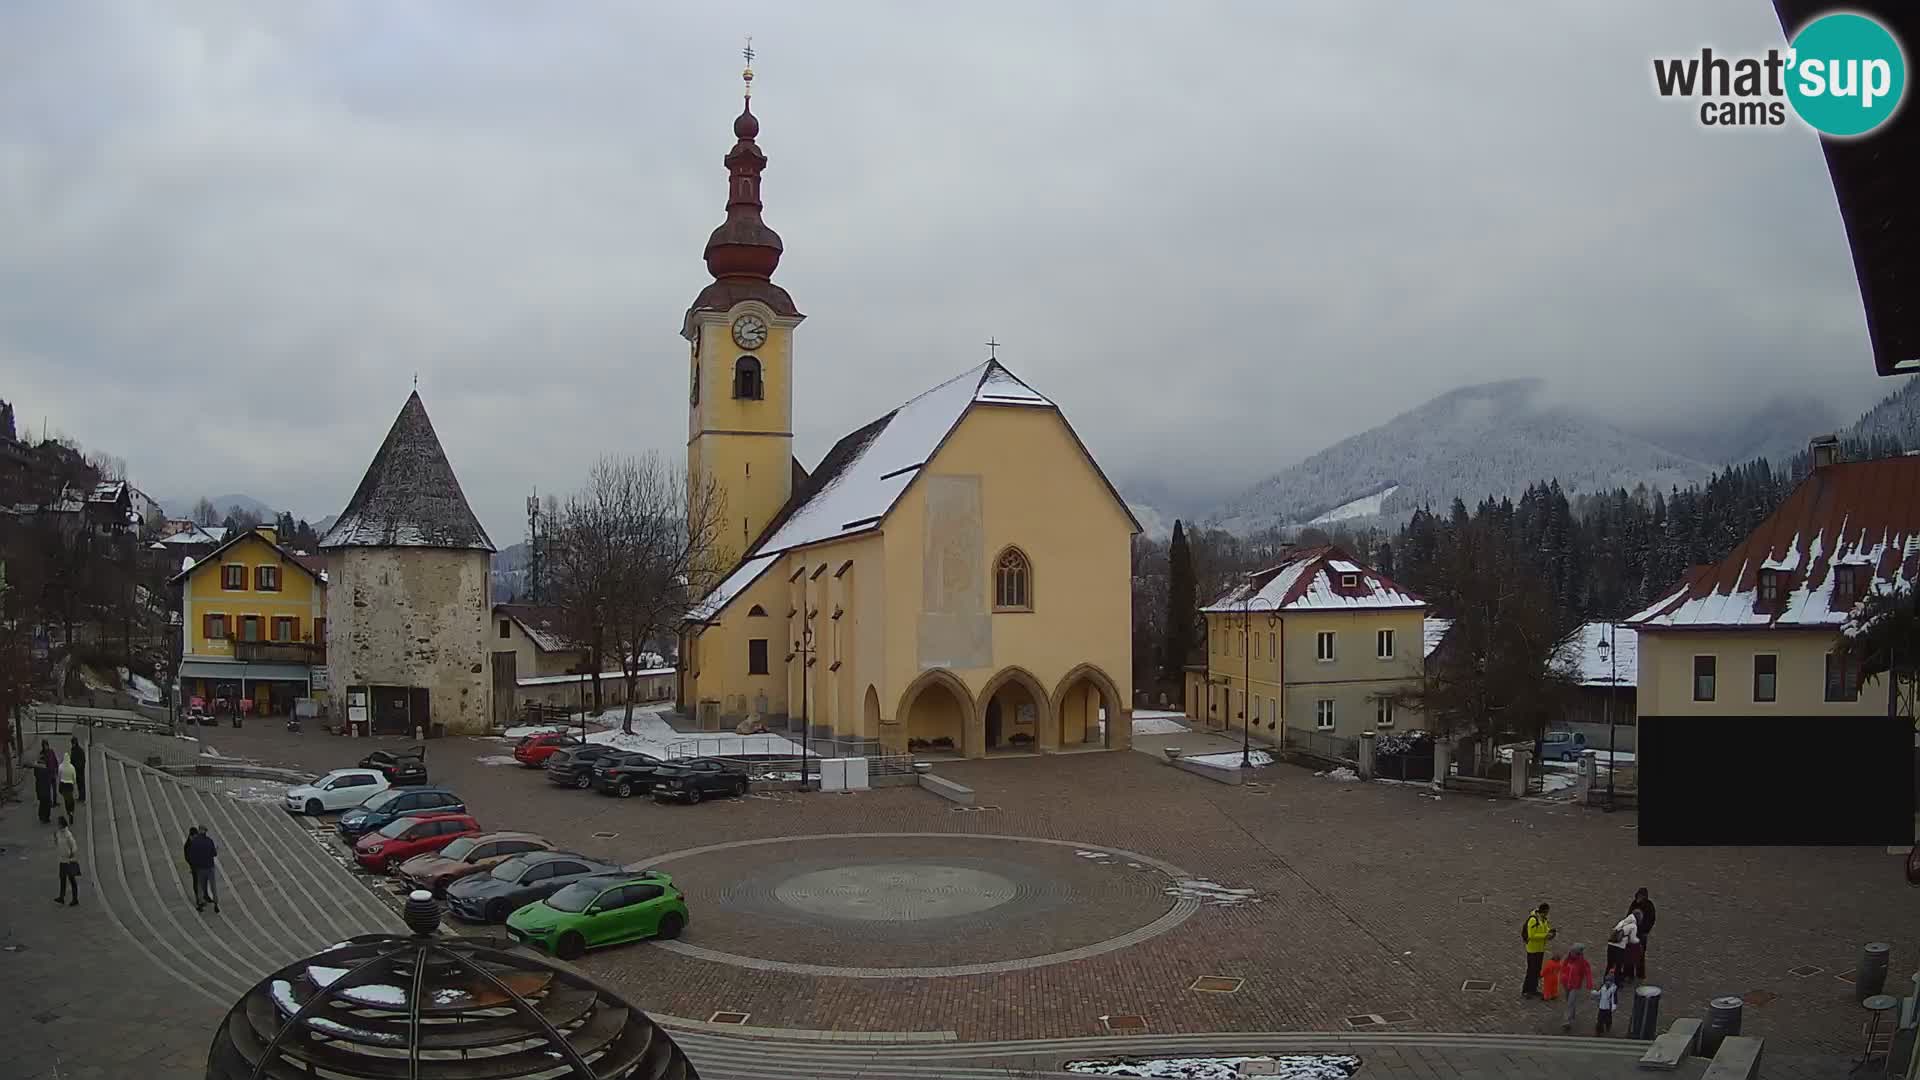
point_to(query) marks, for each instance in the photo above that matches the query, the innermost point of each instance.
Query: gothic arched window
(746, 379)
(1012, 582)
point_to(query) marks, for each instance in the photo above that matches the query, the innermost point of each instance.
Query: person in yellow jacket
(1536, 932)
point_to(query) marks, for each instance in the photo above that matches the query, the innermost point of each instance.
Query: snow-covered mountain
(1896, 417)
(1491, 439)
(1776, 430)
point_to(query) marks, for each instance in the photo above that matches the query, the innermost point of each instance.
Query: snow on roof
(746, 574)
(1307, 581)
(543, 624)
(198, 534)
(409, 496)
(1435, 632)
(1604, 654)
(1858, 513)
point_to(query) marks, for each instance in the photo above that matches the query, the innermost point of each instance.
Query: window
(1766, 677)
(1703, 667)
(639, 894)
(1383, 712)
(506, 629)
(1383, 644)
(756, 612)
(1349, 581)
(1273, 645)
(1843, 678)
(746, 379)
(233, 577)
(320, 631)
(1769, 597)
(757, 656)
(1846, 586)
(285, 628)
(1273, 711)
(1013, 582)
(1323, 646)
(1323, 714)
(1256, 646)
(249, 628)
(213, 627)
(266, 579)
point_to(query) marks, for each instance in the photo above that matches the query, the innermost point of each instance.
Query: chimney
(1825, 450)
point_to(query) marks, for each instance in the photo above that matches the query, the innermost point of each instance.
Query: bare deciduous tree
(204, 512)
(623, 550)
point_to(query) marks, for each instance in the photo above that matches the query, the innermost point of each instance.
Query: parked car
(696, 778)
(407, 766)
(519, 881)
(398, 802)
(404, 837)
(467, 855)
(340, 789)
(1562, 746)
(574, 767)
(625, 774)
(598, 911)
(534, 750)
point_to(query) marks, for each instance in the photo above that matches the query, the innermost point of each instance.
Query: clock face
(749, 332)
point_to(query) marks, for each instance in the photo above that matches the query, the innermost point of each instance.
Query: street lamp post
(804, 650)
(1246, 676)
(1613, 687)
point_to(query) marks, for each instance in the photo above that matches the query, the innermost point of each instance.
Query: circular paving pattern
(917, 905)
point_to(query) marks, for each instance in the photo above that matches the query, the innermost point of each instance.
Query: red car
(534, 750)
(404, 837)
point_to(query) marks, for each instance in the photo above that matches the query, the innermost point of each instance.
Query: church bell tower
(740, 335)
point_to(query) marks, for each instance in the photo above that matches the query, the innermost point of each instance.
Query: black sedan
(625, 774)
(574, 767)
(696, 778)
(521, 880)
(393, 803)
(400, 767)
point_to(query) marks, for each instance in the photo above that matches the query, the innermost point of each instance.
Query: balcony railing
(280, 652)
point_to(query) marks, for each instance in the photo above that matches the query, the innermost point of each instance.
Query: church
(952, 577)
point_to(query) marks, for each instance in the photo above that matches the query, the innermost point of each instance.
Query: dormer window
(1770, 587)
(1847, 581)
(746, 379)
(1349, 581)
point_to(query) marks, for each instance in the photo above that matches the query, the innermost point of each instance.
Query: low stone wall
(1233, 776)
(141, 745)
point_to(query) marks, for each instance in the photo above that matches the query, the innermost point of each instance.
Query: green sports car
(600, 911)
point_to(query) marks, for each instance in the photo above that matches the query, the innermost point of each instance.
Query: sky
(1220, 235)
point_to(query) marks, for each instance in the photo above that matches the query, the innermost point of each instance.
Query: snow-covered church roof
(866, 472)
(409, 496)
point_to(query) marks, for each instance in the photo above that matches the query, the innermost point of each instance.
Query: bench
(1669, 1050)
(1737, 1059)
(947, 789)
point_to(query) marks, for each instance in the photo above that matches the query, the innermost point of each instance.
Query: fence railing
(771, 746)
(890, 765)
(1324, 744)
(66, 719)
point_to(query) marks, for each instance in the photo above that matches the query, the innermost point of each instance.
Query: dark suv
(624, 774)
(696, 778)
(400, 767)
(521, 880)
(574, 767)
(395, 803)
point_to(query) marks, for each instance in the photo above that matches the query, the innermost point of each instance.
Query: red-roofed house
(1319, 643)
(1754, 633)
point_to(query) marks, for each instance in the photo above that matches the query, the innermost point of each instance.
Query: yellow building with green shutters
(253, 619)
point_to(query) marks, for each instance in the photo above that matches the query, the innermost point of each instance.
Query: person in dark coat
(79, 759)
(43, 779)
(200, 853)
(1642, 911)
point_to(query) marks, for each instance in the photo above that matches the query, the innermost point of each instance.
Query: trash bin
(1870, 977)
(1646, 1013)
(1723, 1019)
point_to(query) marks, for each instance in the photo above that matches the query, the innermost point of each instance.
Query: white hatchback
(341, 789)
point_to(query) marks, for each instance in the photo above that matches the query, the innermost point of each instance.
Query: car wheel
(624, 790)
(693, 795)
(497, 911)
(739, 789)
(1568, 756)
(584, 782)
(314, 807)
(670, 925)
(570, 946)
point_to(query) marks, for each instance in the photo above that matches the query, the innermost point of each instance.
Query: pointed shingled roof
(409, 497)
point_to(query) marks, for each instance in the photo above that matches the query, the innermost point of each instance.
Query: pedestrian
(1576, 976)
(79, 759)
(1620, 942)
(1550, 976)
(69, 776)
(69, 855)
(1607, 995)
(200, 853)
(1536, 932)
(1642, 906)
(43, 781)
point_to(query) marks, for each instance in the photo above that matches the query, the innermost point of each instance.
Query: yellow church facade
(953, 577)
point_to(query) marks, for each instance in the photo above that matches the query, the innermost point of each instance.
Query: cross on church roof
(993, 349)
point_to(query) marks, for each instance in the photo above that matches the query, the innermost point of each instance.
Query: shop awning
(227, 671)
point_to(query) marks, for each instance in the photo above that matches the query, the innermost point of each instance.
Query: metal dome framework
(387, 1007)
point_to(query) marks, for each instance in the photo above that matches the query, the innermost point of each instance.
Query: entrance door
(506, 684)
(993, 724)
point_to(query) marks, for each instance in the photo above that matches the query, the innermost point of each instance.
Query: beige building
(534, 660)
(407, 598)
(1318, 644)
(1754, 634)
(952, 576)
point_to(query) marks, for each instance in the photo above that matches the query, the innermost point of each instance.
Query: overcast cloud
(1221, 236)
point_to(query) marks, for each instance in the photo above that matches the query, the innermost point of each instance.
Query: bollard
(1646, 1013)
(1723, 1019)
(1442, 761)
(1366, 755)
(1522, 767)
(1870, 977)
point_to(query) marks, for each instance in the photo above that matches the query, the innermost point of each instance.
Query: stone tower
(408, 592)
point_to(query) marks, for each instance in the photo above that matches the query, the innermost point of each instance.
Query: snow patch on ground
(1342, 774)
(496, 759)
(1231, 759)
(1365, 506)
(1211, 893)
(1147, 722)
(535, 729)
(1286, 1067)
(253, 791)
(143, 689)
(653, 735)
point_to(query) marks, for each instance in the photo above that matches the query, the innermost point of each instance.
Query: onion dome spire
(743, 246)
